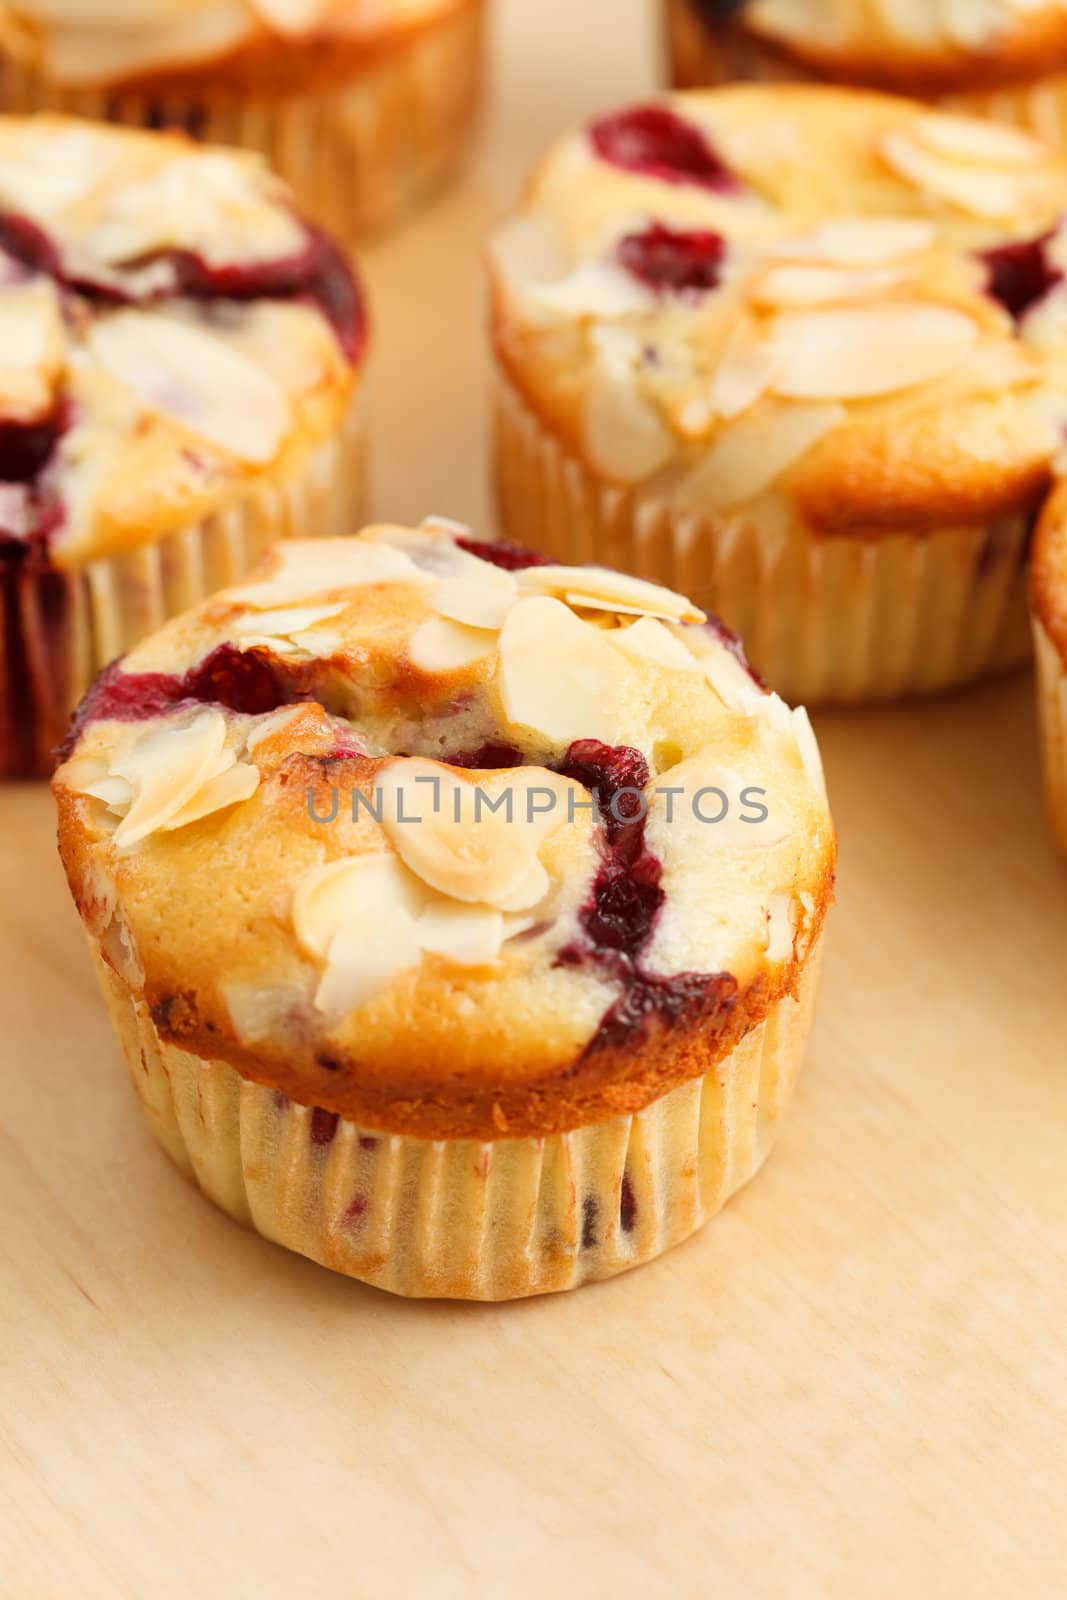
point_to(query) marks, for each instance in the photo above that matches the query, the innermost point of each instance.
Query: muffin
(180, 359)
(999, 58)
(799, 353)
(1049, 597)
(361, 105)
(459, 914)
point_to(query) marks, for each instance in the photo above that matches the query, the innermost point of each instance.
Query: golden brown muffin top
(448, 844)
(171, 333)
(805, 303)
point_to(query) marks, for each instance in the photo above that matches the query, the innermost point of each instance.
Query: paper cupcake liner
(826, 620)
(357, 156)
(465, 1219)
(58, 629)
(1052, 706)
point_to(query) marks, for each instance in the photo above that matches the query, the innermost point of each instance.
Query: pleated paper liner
(357, 156)
(58, 629)
(831, 620)
(1052, 706)
(460, 1218)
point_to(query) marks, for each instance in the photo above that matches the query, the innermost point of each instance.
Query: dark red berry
(657, 142)
(1022, 274)
(672, 259)
(502, 553)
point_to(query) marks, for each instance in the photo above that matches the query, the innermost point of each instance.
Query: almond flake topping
(168, 778)
(579, 699)
(984, 191)
(611, 591)
(304, 569)
(858, 242)
(859, 353)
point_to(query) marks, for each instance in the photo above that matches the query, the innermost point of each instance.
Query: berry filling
(502, 553)
(677, 260)
(620, 914)
(655, 141)
(318, 275)
(245, 681)
(488, 758)
(1021, 275)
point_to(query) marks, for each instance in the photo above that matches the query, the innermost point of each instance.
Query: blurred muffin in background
(361, 105)
(1001, 58)
(181, 358)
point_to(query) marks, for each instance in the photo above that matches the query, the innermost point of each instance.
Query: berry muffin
(179, 366)
(459, 914)
(1049, 598)
(999, 58)
(799, 353)
(360, 105)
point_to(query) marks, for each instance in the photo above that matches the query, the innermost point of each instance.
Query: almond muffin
(999, 58)
(459, 914)
(799, 353)
(180, 357)
(361, 105)
(1049, 597)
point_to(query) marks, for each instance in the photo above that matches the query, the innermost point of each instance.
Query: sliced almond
(439, 645)
(748, 367)
(471, 936)
(978, 141)
(649, 640)
(228, 788)
(732, 683)
(116, 793)
(529, 251)
(558, 675)
(808, 746)
(284, 622)
(781, 916)
(751, 454)
(305, 568)
(353, 889)
(477, 605)
(859, 242)
(273, 723)
(983, 191)
(195, 378)
(367, 955)
(595, 289)
(784, 287)
(166, 768)
(857, 354)
(625, 439)
(452, 843)
(613, 589)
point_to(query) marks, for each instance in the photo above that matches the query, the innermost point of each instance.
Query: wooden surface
(853, 1384)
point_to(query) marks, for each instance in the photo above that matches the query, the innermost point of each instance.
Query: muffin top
(432, 834)
(171, 332)
(916, 46)
(833, 304)
(242, 43)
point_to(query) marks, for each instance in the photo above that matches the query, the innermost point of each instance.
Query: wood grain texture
(852, 1385)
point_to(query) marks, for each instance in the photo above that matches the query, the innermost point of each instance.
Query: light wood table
(853, 1384)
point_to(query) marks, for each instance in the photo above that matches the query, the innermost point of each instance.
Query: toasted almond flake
(351, 889)
(625, 440)
(116, 793)
(306, 568)
(751, 454)
(749, 364)
(808, 746)
(857, 354)
(732, 683)
(81, 773)
(477, 605)
(228, 788)
(602, 583)
(980, 142)
(558, 675)
(450, 841)
(166, 768)
(192, 376)
(283, 623)
(594, 289)
(366, 956)
(273, 723)
(439, 645)
(448, 525)
(528, 251)
(780, 912)
(272, 643)
(469, 935)
(983, 191)
(784, 287)
(649, 640)
(859, 242)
